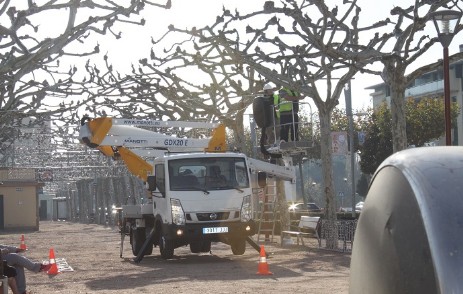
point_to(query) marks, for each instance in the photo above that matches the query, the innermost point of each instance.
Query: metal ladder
(269, 211)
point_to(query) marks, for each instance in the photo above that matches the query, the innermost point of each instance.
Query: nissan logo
(213, 216)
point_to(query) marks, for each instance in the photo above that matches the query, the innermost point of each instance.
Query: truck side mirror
(262, 179)
(151, 181)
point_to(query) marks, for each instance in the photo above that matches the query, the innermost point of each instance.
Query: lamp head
(446, 22)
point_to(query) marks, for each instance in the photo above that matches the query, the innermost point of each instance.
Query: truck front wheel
(238, 247)
(206, 246)
(166, 247)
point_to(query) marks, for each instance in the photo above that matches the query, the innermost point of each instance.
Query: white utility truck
(197, 192)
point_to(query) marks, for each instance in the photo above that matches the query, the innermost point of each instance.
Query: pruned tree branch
(33, 83)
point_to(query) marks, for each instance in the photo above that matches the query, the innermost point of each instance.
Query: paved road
(93, 253)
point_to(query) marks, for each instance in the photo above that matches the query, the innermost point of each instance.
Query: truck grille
(212, 216)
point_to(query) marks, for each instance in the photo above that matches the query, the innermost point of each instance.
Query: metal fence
(346, 232)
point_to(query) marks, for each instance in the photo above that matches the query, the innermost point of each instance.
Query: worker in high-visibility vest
(273, 131)
(288, 110)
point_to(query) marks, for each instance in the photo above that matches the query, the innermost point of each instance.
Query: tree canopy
(34, 87)
(425, 124)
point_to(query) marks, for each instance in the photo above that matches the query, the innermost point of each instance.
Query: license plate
(215, 230)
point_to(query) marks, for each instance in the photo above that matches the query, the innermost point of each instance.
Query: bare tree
(296, 44)
(32, 81)
(407, 48)
(281, 44)
(188, 81)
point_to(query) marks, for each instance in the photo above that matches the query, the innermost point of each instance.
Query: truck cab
(197, 199)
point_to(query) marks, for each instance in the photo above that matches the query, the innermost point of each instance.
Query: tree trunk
(81, 192)
(90, 214)
(100, 210)
(399, 124)
(118, 191)
(107, 195)
(397, 84)
(327, 169)
(237, 127)
(283, 206)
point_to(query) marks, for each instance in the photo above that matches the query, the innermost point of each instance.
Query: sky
(135, 42)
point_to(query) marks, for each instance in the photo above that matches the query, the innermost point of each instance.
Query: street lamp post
(312, 192)
(348, 97)
(446, 22)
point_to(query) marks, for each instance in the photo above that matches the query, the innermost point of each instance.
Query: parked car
(312, 207)
(297, 210)
(359, 206)
(300, 207)
(345, 209)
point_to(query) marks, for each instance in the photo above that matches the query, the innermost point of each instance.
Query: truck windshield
(208, 173)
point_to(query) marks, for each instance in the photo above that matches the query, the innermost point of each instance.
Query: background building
(19, 204)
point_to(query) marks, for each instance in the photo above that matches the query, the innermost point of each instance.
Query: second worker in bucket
(289, 117)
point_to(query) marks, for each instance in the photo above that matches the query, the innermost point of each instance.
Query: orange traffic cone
(262, 268)
(54, 268)
(22, 246)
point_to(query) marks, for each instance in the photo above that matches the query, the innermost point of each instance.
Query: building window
(19, 189)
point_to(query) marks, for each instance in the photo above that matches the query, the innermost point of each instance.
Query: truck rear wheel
(238, 247)
(166, 247)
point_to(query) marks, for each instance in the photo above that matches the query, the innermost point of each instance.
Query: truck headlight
(246, 211)
(178, 215)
